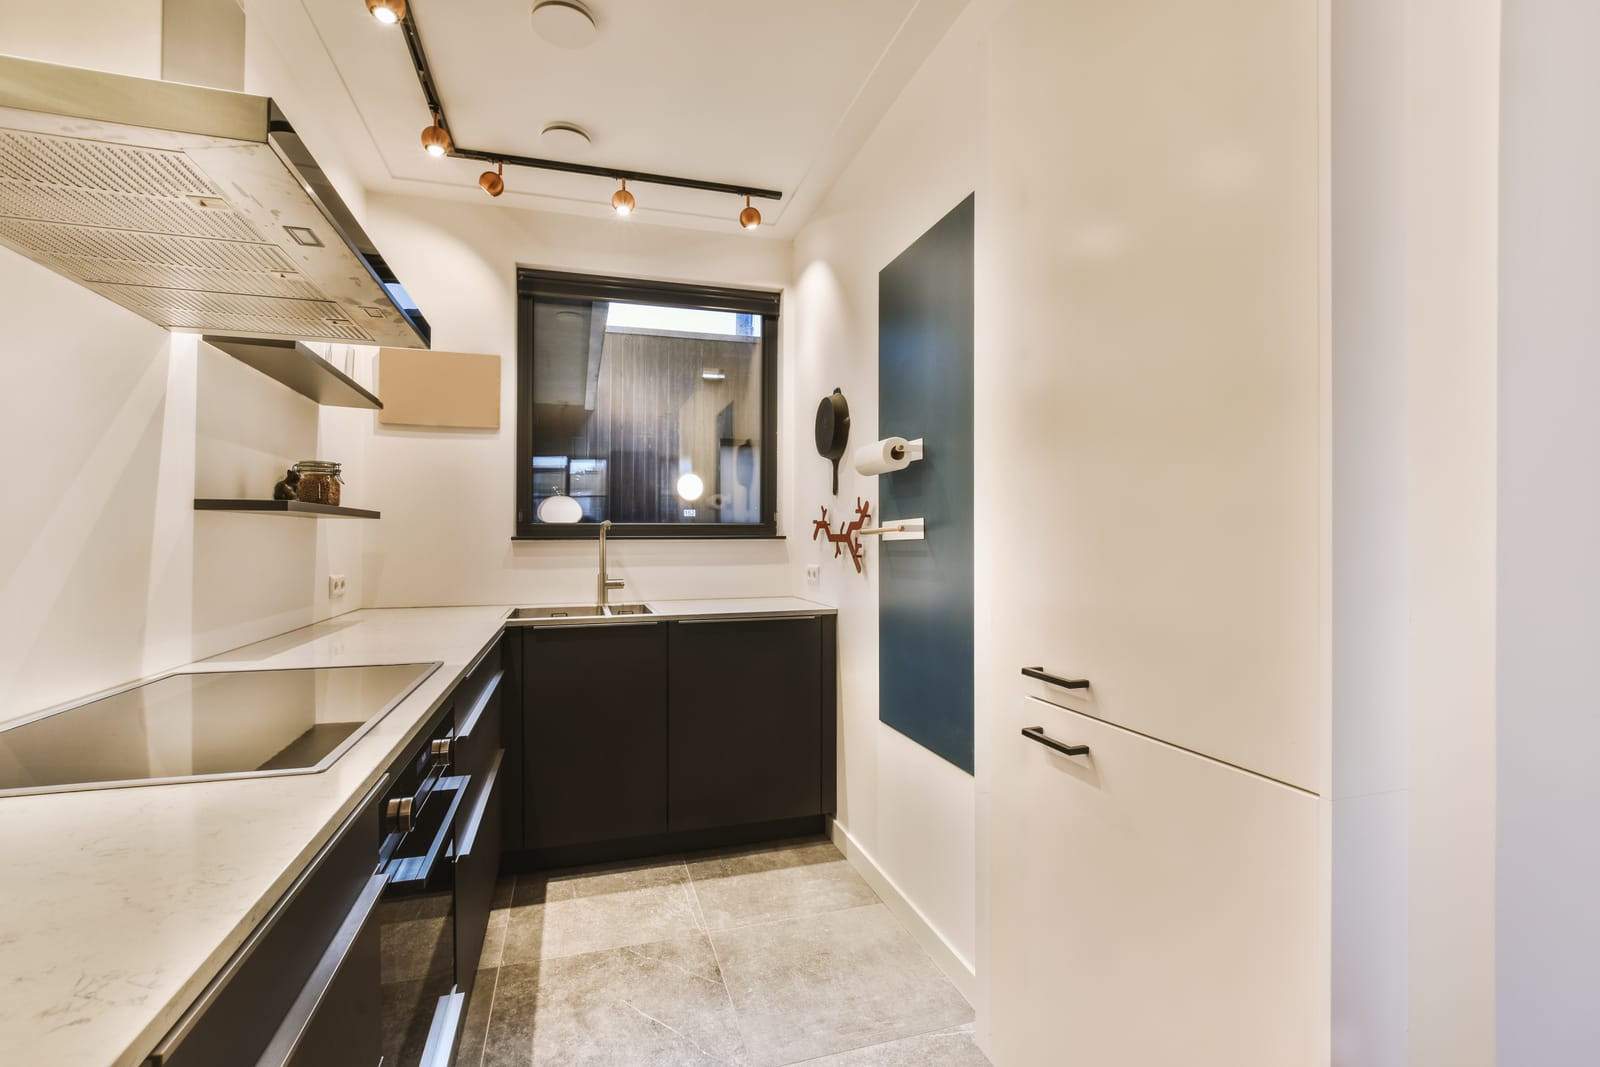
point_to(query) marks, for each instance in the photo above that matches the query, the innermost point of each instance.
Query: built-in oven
(417, 910)
(440, 853)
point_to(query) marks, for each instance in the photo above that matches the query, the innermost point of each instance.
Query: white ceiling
(771, 93)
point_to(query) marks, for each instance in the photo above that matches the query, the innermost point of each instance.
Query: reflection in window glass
(645, 413)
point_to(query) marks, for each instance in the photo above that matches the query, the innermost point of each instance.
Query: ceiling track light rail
(430, 93)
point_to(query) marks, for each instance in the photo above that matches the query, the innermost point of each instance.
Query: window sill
(583, 532)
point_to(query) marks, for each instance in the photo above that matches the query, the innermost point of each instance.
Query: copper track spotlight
(435, 139)
(622, 201)
(750, 217)
(493, 182)
(387, 12)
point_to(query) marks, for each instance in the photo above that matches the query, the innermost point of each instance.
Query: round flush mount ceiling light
(690, 487)
(565, 137)
(622, 201)
(387, 12)
(750, 217)
(565, 23)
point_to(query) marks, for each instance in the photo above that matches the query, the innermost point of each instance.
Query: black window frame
(532, 284)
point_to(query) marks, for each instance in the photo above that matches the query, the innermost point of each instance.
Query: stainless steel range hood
(197, 208)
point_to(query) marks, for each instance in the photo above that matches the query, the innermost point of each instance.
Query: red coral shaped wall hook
(846, 537)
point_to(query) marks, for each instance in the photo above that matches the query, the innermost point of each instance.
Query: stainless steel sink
(585, 611)
(581, 611)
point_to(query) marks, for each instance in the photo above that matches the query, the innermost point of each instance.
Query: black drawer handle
(287, 1041)
(1065, 683)
(417, 870)
(464, 731)
(486, 796)
(1036, 733)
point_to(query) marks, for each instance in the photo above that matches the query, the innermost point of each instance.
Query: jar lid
(317, 466)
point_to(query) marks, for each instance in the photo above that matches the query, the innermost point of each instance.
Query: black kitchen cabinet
(745, 708)
(594, 733)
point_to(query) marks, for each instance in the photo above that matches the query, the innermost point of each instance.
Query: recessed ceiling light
(565, 137)
(564, 23)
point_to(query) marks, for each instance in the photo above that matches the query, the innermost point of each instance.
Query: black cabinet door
(745, 715)
(595, 733)
(478, 844)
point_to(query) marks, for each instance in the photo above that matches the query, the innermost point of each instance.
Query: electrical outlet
(336, 586)
(813, 574)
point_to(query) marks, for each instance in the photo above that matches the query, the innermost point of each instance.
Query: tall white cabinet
(1156, 384)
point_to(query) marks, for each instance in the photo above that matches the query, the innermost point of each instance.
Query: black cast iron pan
(833, 431)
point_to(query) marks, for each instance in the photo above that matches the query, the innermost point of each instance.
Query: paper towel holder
(909, 451)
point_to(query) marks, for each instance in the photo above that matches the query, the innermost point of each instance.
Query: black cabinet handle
(417, 870)
(465, 729)
(288, 1039)
(1065, 683)
(486, 795)
(1036, 733)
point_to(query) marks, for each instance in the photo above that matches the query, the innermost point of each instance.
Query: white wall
(1549, 521)
(1452, 108)
(447, 496)
(911, 812)
(113, 427)
(1416, 151)
(122, 36)
(1371, 721)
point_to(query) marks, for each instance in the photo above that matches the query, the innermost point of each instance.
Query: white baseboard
(951, 962)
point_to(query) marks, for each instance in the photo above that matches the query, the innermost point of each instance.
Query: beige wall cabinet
(1158, 908)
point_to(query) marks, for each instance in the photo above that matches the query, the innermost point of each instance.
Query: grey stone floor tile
(475, 1027)
(494, 938)
(829, 983)
(956, 1047)
(569, 883)
(764, 883)
(589, 910)
(655, 1004)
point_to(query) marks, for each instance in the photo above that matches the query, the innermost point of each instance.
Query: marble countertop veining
(117, 906)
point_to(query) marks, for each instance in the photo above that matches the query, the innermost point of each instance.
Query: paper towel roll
(881, 457)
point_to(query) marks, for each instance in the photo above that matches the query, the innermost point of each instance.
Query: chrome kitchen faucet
(602, 582)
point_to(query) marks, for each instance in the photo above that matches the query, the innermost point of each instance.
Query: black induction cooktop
(200, 726)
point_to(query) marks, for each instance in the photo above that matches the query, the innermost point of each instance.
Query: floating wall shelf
(285, 507)
(301, 369)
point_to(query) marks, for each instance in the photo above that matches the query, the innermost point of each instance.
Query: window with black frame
(650, 405)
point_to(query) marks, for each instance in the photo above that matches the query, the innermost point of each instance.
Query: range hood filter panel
(177, 221)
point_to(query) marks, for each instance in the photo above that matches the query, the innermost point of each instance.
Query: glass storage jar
(319, 481)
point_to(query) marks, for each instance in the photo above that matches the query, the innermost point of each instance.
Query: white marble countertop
(117, 906)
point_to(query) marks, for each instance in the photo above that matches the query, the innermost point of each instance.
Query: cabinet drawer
(478, 715)
(337, 1020)
(477, 868)
(1142, 882)
(237, 1015)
